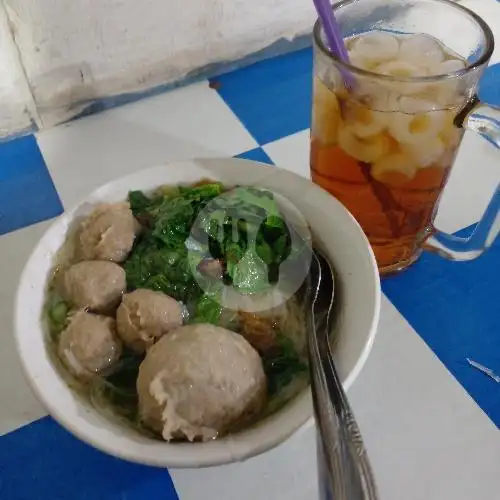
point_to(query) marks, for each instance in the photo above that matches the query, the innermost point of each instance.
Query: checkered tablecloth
(430, 421)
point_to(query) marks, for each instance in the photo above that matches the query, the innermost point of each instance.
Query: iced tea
(385, 146)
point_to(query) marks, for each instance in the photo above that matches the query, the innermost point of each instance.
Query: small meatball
(108, 233)
(94, 284)
(144, 316)
(89, 344)
(200, 381)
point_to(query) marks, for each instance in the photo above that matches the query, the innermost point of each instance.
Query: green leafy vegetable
(159, 261)
(57, 313)
(172, 213)
(152, 265)
(243, 229)
(246, 231)
(208, 310)
(139, 202)
(281, 364)
(250, 274)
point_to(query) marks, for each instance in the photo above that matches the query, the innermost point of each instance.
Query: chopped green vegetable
(202, 192)
(246, 231)
(168, 191)
(208, 310)
(172, 213)
(139, 202)
(57, 313)
(250, 274)
(281, 364)
(152, 265)
(243, 230)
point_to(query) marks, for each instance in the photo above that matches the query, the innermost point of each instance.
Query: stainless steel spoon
(344, 469)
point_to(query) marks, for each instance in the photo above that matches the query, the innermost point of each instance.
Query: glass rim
(483, 59)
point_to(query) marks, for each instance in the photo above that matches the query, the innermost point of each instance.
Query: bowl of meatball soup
(163, 319)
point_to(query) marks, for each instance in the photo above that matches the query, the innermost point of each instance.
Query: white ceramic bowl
(336, 232)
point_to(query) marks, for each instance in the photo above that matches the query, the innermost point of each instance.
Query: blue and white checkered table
(430, 421)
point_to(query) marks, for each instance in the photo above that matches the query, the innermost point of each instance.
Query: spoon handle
(348, 423)
(340, 445)
(344, 469)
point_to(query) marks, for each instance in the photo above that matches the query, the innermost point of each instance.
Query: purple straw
(333, 35)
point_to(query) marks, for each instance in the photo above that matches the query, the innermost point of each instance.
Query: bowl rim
(265, 435)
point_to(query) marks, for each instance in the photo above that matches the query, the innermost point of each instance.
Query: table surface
(430, 421)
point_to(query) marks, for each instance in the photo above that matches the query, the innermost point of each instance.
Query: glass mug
(386, 127)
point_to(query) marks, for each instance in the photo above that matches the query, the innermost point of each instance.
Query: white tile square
(184, 123)
(18, 405)
(291, 153)
(473, 180)
(286, 473)
(195, 113)
(427, 439)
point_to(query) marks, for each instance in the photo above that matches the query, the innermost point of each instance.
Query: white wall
(57, 54)
(75, 50)
(17, 109)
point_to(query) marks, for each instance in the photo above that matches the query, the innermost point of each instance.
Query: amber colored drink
(385, 149)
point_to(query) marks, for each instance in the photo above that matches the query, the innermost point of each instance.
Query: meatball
(94, 284)
(108, 233)
(199, 381)
(89, 344)
(144, 316)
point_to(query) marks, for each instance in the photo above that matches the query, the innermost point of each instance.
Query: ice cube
(447, 91)
(386, 101)
(401, 69)
(426, 156)
(373, 48)
(368, 90)
(364, 121)
(361, 62)
(422, 50)
(446, 67)
(366, 149)
(394, 163)
(415, 105)
(326, 113)
(329, 75)
(416, 128)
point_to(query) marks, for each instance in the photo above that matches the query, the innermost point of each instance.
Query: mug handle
(452, 247)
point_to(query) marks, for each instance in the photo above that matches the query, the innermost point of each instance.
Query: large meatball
(144, 316)
(199, 381)
(108, 233)
(94, 284)
(89, 344)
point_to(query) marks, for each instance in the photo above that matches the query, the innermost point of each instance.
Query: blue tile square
(42, 461)
(454, 307)
(257, 154)
(489, 87)
(272, 98)
(27, 192)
